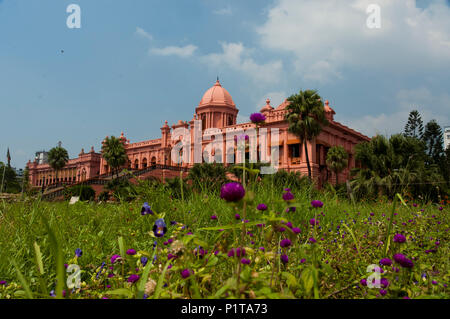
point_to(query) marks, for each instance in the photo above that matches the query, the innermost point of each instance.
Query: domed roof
(217, 95)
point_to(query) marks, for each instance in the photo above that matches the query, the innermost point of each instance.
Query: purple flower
(145, 210)
(312, 240)
(316, 204)
(186, 273)
(383, 292)
(399, 238)
(288, 196)
(384, 282)
(214, 217)
(245, 261)
(363, 282)
(406, 263)
(200, 252)
(284, 259)
(133, 278)
(236, 251)
(313, 222)
(232, 192)
(144, 260)
(285, 243)
(3, 282)
(131, 252)
(296, 230)
(159, 228)
(441, 208)
(434, 282)
(78, 252)
(237, 216)
(386, 262)
(289, 224)
(262, 248)
(257, 118)
(114, 258)
(302, 261)
(262, 207)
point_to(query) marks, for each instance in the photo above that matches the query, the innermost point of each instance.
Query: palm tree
(57, 158)
(306, 117)
(113, 151)
(337, 160)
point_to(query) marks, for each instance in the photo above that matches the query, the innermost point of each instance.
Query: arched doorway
(144, 162)
(136, 164)
(153, 161)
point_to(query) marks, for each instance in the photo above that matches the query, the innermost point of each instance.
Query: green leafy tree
(414, 126)
(337, 160)
(9, 178)
(306, 117)
(434, 141)
(58, 158)
(113, 151)
(394, 165)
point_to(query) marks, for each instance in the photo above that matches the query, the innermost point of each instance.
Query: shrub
(85, 192)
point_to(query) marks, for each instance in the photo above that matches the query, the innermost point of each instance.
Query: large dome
(217, 95)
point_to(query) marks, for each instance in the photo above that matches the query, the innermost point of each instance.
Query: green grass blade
(161, 281)
(22, 280)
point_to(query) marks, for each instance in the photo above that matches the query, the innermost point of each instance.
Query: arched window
(230, 120)
(203, 121)
(144, 163)
(153, 161)
(136, 164)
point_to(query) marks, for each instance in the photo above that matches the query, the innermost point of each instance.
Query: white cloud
(223, 11)
(182, 52)
(429, 105)
(141, 32)
(237, 57)
(326, 36)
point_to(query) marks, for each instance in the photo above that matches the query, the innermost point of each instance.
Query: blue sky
(134, 64)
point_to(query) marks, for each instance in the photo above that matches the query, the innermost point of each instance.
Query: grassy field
(328, 258)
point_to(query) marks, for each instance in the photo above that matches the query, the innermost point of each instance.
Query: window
(295, 150)
(230, 120)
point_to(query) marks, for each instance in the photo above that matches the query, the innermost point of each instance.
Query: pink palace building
(215, 110)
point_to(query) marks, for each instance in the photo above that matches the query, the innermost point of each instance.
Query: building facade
(446, 137)
(218, 112)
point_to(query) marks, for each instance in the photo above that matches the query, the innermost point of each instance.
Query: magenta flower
(232, 192)
(262, 207)
(186, 273)
(441, 208)
(133, 278)
(245, 261)
(386, 262)
(296, 230)
(399, 238)
(257, 118)
(114, 258)
(383, 292)
(284, 259)
(288, 196)
(316, 204)
(363, 282)
(237, 216)
(236, 251)
(214, 217)
(285, 243)
(313, 222)
(131, 252)
(384, 282)
(312, 240)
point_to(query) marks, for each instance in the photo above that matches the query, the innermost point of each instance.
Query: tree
(113, 151)
(306, 117)
(8, 180)
(434, 141)
(337, 160)
(414, 126)
(394, 165)
(57, 158)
